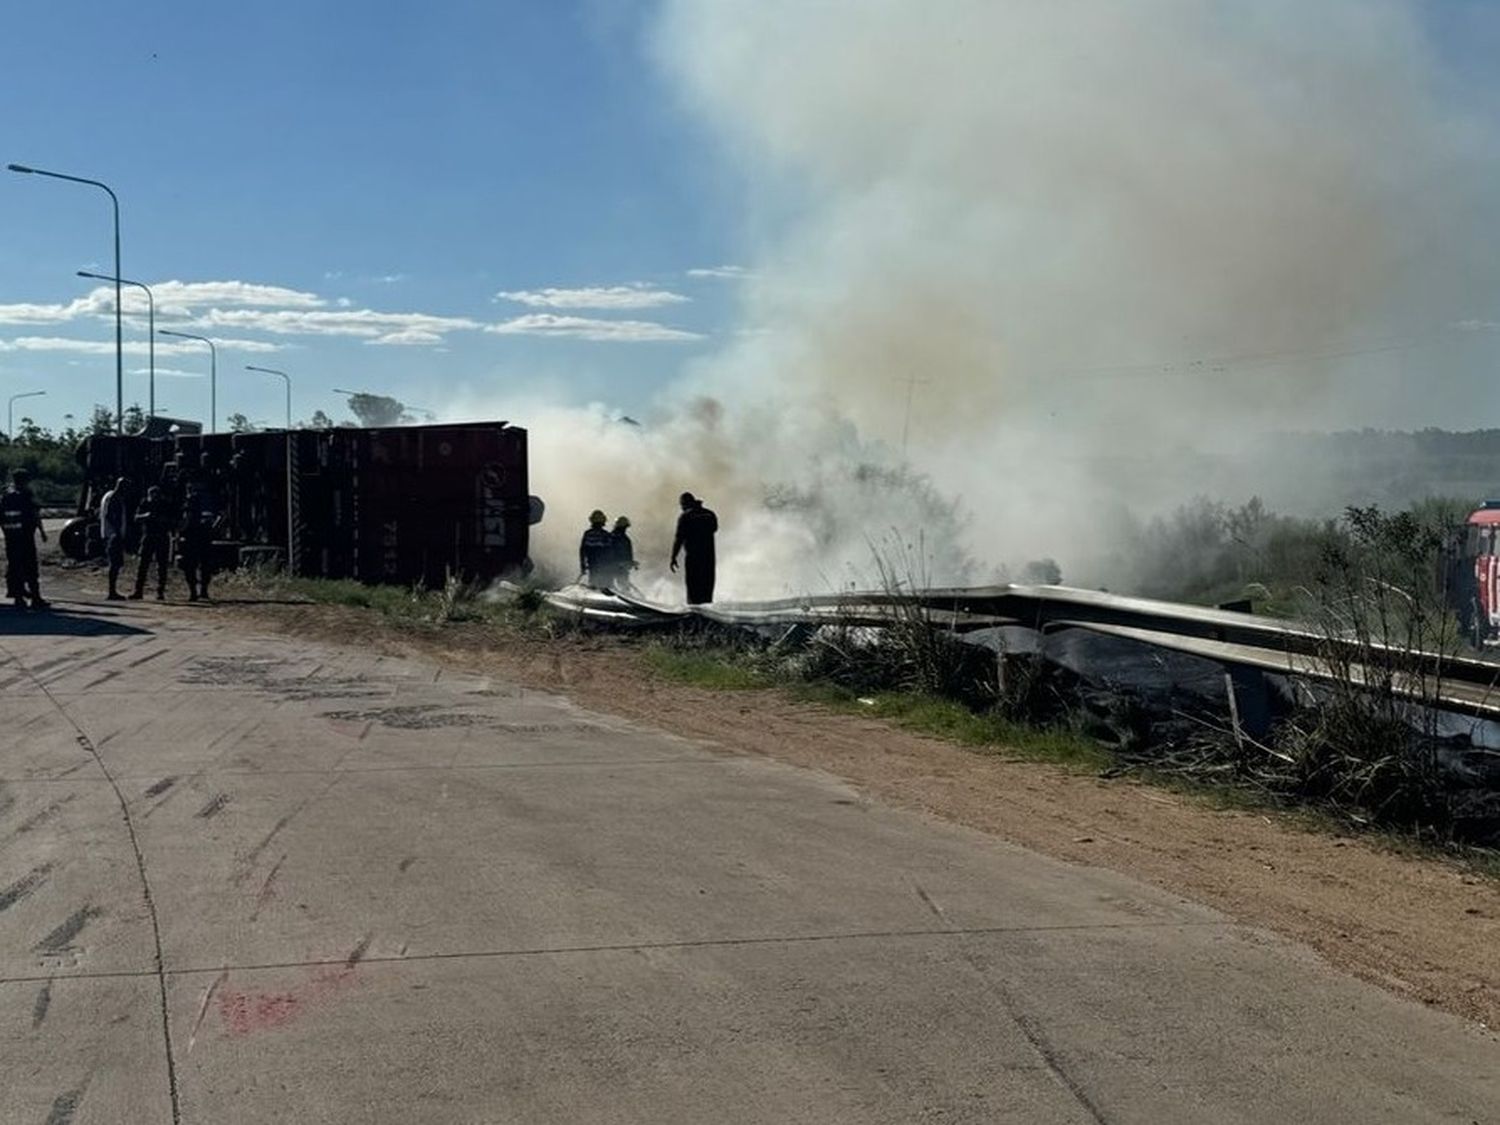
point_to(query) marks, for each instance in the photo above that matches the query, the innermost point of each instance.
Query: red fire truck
(1474, 574)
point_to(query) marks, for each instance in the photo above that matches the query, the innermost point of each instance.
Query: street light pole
(285, 376)
(213, 375)
(291, 524)
(119, 329)
(150, 329)
(10, 413)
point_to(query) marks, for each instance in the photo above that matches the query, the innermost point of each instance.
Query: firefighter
(195, 542)
(113, 517)
(621, 553)
(21, 522)
(696, 527)
(594, 551)
(156, 518)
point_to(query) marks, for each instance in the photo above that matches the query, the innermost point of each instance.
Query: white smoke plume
(1042, 248)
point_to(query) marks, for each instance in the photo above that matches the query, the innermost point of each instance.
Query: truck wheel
(73, 539)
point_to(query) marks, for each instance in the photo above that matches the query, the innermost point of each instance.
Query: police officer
(155, 516)
(21, 522)
(594, 551)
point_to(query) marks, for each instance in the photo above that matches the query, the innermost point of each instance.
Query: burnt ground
(1418, 925)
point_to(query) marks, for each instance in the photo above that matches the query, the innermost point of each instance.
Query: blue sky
(382, 158)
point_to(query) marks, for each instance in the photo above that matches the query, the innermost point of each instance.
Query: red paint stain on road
(247, 1011)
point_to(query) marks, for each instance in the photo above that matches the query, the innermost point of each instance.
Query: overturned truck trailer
(404, 505)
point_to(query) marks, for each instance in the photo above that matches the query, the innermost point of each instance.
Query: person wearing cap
(696, 527)
(594, 551)
(113, 514)
(21, 522)
(621, 553)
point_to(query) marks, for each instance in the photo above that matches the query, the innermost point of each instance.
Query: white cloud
(331, 322)
(724, 273)
(408, 336)
(636, 295)
(131, 347)
(1478, 325)
(173, 298)
(589, 328)
(168, 372)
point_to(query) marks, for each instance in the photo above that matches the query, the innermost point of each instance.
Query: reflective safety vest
(15, 513)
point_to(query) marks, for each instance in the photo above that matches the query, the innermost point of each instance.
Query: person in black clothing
(621, 553)
(200, 519)
(695, 540)
(21, 521)
(155, 517)
(594, 552)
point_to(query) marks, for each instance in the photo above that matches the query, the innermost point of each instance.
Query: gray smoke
(1047, 253)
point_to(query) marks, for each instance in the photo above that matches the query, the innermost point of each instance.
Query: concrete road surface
(246, 879)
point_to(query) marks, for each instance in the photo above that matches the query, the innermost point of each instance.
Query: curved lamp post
(10, 413)
(213, 374)
(119, 330)
(150, 330)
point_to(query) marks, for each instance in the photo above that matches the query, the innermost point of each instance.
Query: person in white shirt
(113, 514)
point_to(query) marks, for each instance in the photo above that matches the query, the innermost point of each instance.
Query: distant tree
(102, 420)
(239, 424)
(135, 418)
(29, 434)
(378, 410)
(320, 421)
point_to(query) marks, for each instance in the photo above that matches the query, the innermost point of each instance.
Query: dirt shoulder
(1420, 927)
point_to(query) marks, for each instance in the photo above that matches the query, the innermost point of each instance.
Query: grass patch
(954, 722)
(412, 607)
(717, 669)
(726, 668)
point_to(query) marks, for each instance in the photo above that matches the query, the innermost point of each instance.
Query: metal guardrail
(1270, 644)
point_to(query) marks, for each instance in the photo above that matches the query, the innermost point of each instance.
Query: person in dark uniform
(621, 553)
(594, 552)
(21, 522)
(200, 519)
(696, 527)
(156, 517)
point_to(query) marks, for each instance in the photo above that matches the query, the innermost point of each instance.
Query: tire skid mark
(44, 814)
(69, 928)
(65, 1105)
(42, 1003)
(24, 886)
(109, 653)
(104, 679)
(267, 889)
(150, 656)
(214, 806)
(156, 789)
(358, 952)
